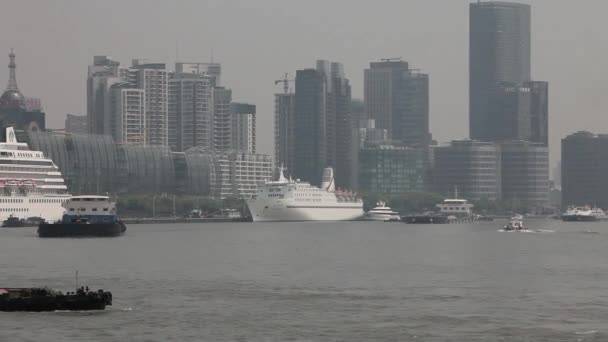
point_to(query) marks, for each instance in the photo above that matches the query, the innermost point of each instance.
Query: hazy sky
(258, 41)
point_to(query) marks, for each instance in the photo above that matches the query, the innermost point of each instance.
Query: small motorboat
(516, 223)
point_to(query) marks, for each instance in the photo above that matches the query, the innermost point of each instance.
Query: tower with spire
(12, 97)
(17, 110)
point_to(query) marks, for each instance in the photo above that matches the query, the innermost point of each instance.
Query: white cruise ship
(30, 184)
(289, 200)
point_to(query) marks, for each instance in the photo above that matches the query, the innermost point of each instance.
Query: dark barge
(46, 299)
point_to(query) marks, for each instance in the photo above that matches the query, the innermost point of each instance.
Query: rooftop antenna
(176, 50)
(212, 55)
(76, 279)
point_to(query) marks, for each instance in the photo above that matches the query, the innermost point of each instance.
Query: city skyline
(571, 72)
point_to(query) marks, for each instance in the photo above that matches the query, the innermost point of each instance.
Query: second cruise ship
(289, 200)
(31, 185)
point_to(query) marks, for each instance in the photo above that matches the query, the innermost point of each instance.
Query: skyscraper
(102, 74)
(190, 110)
(127, 114)
(499, 70)
(153, 78)
(284, 132)
(310, 125)
(222, 119)
(397, 98)
(243, 127)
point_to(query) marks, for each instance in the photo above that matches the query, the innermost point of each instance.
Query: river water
(343, 281)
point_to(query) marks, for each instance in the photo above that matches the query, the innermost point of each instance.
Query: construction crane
(285, 82)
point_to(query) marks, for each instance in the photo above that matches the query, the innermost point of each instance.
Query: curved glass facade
(95, 164)
(149, 169)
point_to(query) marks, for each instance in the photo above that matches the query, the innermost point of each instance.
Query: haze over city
(257, 42)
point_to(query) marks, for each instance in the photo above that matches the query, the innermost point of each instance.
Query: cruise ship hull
(262, 211)
(49, 208)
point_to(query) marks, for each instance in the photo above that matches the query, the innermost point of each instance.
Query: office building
(390, 169)
(284, 131)
(243, 127)
(505, 104)
(471, 167)
(397, 98)
(310, 125)
(245, 172)
(584, 169)
(525, 173)
(499, 52)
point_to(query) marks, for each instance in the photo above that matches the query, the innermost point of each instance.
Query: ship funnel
(327, 182)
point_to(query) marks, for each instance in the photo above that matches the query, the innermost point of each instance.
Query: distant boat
(46, 299)
(584, 214)
(381, 213)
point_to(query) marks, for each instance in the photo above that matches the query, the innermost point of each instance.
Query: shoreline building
(472, 167)
(390, 169)
(525, 173)
(584, 167)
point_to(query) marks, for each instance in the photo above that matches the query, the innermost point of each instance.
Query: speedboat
(382, 213)
(516, 223)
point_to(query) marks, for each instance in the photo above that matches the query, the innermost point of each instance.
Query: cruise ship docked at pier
(289, 200)
(30, 184)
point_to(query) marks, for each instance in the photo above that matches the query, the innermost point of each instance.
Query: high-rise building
(584, 169)
(102, 74)
(213, 70)
(76, 124)
(505, 104)
(284, 131)
(390, 169)
(397, 98)
(190, 110)
(525, 173)
(222, 119)
(471, 167)
(127, 114)
(243, 127)
(310, 125)
(153, 78)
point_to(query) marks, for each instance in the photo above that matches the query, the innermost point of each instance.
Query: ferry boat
(458, 207)
(381, 213)
(584, 214)
(294, 200)
(30, 184)
(85, 216)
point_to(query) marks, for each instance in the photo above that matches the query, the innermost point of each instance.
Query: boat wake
(535, 231)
